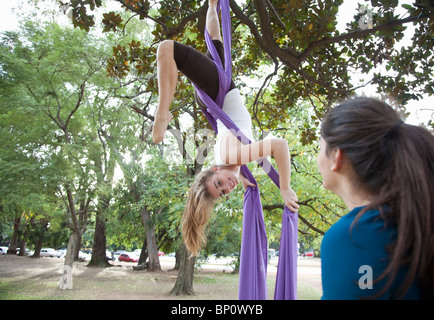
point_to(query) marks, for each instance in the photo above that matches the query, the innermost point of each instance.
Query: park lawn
(39, 281)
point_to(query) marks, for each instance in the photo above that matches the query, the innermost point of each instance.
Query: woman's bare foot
(160, 126)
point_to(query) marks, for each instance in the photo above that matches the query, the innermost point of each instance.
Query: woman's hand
(246, 183)
(290, 199)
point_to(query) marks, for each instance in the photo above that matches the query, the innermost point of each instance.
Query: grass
(213, 285)
(120, 283)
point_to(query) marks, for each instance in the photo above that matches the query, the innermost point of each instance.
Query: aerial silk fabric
(254, 250)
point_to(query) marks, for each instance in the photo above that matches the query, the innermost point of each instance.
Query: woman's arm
(232, 152)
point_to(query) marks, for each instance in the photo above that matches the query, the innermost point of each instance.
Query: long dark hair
(394, 162)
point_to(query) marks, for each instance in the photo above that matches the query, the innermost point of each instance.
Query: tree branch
(253, 28)
(280, 206)
(77, 105)
(289, 55)
(356, 34)
(273, 10)
(168, 32)
(267, 79)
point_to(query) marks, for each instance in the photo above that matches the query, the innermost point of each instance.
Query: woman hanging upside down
(230, 153)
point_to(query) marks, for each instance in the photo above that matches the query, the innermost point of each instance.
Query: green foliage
(111, 21)
(52, 86)
(134, 55)
(300, 38)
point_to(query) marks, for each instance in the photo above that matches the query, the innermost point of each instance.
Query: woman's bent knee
(165, 49)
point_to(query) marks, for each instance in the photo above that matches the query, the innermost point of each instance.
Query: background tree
(51, 71)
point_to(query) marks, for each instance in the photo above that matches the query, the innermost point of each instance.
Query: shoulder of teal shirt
(354, 254)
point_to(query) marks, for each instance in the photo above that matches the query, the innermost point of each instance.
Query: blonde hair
(197, 212)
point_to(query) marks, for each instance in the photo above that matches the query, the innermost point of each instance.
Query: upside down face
(222, 182)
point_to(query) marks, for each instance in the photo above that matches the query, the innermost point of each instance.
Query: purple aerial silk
(286, 279)
(254, 250)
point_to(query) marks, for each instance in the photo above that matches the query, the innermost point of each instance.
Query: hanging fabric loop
(254, 250)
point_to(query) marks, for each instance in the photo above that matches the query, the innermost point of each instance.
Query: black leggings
(199, 68)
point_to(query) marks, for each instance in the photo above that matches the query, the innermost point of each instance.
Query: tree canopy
(298, 39)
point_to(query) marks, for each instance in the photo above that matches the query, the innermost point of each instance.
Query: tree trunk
(141, 265)
(178, 255)
(65, 281)
(38, 247)
(184, 282)
(41, 232)
(78, 219)
(14, 240)
(151, 242)
(99, 258)
(144, 253)
(77, 246)
(24, 238)
(154, 259)
(71, 249)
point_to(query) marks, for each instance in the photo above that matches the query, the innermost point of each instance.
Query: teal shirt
(352, 259)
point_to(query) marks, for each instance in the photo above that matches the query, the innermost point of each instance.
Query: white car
(3, 250)
(49, 252)
(84, 256)
(62, 252)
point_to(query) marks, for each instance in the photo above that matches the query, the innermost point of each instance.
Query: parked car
(27, 252)
(118, 253)
(128, 257)
(49, 252)
(110, 255)
(137, 252)
(84, 256)
(308, 253)
(3, 250)
(63, 252)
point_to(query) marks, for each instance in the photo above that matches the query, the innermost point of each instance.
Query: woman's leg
(168, 74)
(167, 79)
(196, 66)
